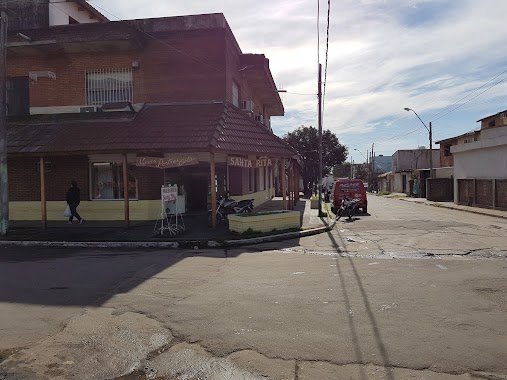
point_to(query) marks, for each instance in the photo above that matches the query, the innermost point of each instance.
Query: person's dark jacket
(73, 195)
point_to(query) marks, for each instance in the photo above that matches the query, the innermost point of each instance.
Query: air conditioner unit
(247, 105)
(89, 109)
(259, 118)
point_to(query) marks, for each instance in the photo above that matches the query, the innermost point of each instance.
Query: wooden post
(291, 189)
(43, 193)
(296, 187)
(126, 191)
(213, 190)
(284, 185)
(4, 183)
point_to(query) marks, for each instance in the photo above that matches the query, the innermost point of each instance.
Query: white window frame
(235, 94)
(108, 159)
(109, 86)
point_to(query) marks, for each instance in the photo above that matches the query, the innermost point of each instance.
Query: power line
(469, 100)
(327, 54)
(154, 38)
(318, 32)
(397, 137)
(298, 93)
(466, 96)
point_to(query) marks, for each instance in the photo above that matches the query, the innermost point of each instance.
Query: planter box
(314, 204)
(265, 221)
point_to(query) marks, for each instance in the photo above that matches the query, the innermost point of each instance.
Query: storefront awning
(167, 128)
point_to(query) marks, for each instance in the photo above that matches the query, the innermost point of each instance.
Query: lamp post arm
(420, 119)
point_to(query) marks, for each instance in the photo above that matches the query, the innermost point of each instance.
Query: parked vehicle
(226, 206)
(348, 207)
(351, 189)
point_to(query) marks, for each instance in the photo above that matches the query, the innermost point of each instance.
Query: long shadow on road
(81, 277)
(371, 316)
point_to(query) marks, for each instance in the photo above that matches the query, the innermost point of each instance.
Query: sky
(445, 59)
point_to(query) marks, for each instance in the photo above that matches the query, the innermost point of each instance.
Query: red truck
(351, 188)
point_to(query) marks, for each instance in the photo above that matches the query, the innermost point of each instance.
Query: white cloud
(383, 56)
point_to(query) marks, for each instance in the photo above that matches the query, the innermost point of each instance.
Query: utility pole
(368, 173)
(4, 184)
(372, 166)
(431, 152)
(319, 94)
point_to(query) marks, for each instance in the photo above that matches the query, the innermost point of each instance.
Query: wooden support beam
(126, 191)
(284, 185)
(43, 194)
(296, 187)
(291, 190)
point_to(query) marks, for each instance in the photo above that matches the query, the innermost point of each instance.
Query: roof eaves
(219, 128)
(92, 10)
(498, 113)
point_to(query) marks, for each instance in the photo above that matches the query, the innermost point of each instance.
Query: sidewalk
(142, 234)
(451, 205)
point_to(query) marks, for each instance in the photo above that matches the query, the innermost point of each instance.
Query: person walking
(73, 198)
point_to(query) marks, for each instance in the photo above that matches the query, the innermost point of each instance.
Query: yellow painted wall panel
(89, 210)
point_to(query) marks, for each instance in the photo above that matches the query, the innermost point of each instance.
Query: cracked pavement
(408, 292)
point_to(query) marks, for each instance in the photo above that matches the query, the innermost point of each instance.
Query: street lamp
(366, 162)
(429, 131)
(361, 154)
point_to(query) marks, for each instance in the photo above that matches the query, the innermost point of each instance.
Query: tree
(342, 170)
(305, 140)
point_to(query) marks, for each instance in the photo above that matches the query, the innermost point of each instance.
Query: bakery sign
(171, 161)
(249, 163)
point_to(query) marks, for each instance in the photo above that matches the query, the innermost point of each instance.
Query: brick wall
(24, 177)
(232, 59)
(501, 193)
(484, 192)
(167, 73)
(149, 182)
(488, 193)
(498, 120)
(69, 87)
(446, 161)
(439, 189)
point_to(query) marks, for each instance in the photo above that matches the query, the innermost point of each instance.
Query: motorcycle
(348, 207)
(226, 206)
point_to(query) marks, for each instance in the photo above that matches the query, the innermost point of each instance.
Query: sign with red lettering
(248, 163)
(172, 161)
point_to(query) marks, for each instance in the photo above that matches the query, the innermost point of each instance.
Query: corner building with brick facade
(157, 101)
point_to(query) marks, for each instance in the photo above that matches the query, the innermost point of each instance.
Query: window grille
(108, 86)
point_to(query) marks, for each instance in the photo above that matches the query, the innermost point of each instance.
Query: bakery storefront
(161, 145)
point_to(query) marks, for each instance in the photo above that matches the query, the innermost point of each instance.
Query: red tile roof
(163, 127)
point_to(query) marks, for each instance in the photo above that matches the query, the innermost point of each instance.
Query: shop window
(235, 94)
(109, 86)
(107, 180)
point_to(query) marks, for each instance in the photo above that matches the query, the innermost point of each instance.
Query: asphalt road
(408, 292)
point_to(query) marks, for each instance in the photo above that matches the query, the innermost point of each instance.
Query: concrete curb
(436, 204)
(88, 244)
(286, 236)
(186, 244)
